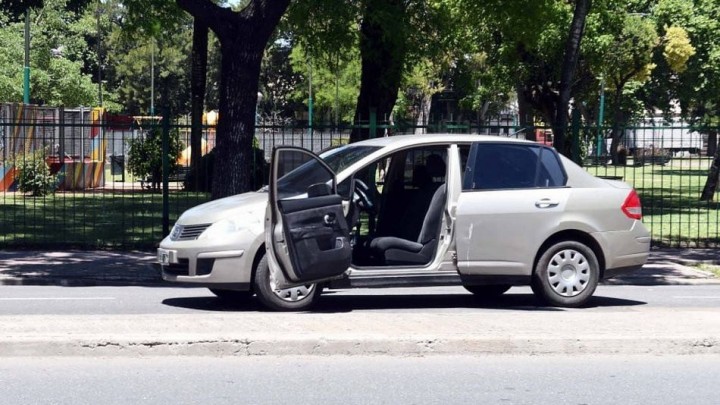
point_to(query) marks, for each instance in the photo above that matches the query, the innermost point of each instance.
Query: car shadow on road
(214, 304)
(331, 302)
(514, 302)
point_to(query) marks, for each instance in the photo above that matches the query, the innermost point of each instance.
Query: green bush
(33, 174)
(145, 156)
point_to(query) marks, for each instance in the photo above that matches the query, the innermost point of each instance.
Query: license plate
(164, 257)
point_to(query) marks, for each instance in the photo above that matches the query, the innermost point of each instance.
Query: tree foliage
(677, 49)
(58, 51)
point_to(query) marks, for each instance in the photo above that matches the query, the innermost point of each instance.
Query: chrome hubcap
(568, 272)
(292, 294)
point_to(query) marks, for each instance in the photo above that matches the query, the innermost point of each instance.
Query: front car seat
(391, 250)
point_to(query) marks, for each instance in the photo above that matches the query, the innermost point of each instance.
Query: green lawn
(670, 196)
(129, 219)
(133, 219)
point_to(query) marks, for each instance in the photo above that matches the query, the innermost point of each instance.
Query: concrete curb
(361, 347)
(431, 345)
(689, 331)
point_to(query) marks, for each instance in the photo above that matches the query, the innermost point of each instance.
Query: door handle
(546, 203)
(329, 219)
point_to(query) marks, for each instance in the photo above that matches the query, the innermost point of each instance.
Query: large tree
(243, 36)
(148, 17)
(570, 60)
(384, 34)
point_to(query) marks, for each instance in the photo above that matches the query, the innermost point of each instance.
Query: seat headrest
(435, 165)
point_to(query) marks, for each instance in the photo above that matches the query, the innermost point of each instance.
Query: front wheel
(295, 298)
(566, 274)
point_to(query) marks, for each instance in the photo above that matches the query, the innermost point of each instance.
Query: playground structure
(73, 141)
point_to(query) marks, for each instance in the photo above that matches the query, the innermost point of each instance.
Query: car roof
(577, 176)
(399, 140)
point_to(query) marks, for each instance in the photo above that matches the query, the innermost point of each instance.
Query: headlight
(222, 229)
(175, 233)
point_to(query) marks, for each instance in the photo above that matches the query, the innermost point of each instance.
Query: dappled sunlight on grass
(670, 196)
(89, 219)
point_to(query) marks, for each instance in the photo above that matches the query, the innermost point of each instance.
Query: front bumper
(192, 262)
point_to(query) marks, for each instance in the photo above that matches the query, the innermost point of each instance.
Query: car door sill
(359, 280)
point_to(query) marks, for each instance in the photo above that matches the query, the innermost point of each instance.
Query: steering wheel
(362, 196)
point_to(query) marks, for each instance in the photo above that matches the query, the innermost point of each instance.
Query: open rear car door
(306, 234)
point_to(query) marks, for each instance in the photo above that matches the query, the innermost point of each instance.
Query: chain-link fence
(101, 199)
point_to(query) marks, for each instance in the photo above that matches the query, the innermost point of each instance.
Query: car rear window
(494, 166)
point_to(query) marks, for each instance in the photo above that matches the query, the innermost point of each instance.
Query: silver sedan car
(484, 212)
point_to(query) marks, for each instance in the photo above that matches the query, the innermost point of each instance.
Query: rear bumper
(620, 271)
(624, 251)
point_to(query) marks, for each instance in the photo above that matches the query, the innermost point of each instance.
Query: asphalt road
(362, 380)
(51, 300)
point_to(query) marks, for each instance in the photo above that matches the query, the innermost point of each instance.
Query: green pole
(373, 122)
(310, 103)
(165, 171)
(26, 69)
(601, 116)
(152, 77)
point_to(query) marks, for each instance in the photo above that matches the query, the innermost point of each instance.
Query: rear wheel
(295, 298)
(488, 291)
(231, 295)
(566, 274)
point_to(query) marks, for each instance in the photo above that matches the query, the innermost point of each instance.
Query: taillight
(631, 207)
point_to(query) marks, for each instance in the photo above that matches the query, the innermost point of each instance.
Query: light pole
(26, 69)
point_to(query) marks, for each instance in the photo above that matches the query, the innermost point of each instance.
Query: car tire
(231, 295)
(566, 275)
(296, 298)
(488, 291)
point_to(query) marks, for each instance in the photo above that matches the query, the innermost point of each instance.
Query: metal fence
(99, 203)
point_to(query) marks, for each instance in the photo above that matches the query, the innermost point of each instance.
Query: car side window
(464, 150)
(497, 166)
(551, 171)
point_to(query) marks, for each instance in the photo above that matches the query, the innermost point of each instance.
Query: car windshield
(298, 180)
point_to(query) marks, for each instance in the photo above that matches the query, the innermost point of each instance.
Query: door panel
(499, 232)
(513, 199)
(309, 236)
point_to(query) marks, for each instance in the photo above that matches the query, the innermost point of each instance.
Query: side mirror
(319, 190)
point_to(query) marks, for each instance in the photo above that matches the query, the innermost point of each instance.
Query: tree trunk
(198, 77)
(423, 117)
(712, 143)
(243, 36)
(572, 51)
(383, 50)
(712, 179)
(616, 133)
(527, 126)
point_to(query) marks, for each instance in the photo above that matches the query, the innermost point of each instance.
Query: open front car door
(308, 236)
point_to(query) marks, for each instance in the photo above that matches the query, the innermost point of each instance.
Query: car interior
(399, 209)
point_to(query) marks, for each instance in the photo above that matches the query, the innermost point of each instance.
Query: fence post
(165, 171)
(373, 123)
